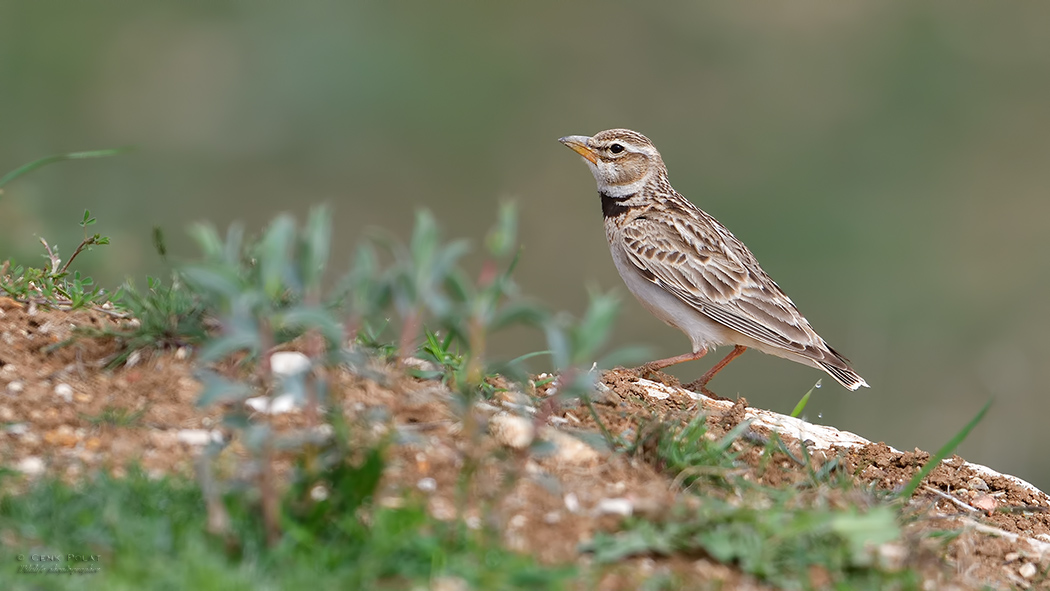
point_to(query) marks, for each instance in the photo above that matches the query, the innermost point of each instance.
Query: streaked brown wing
(698, 260)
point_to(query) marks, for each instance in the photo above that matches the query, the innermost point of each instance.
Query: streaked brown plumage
(688, 269)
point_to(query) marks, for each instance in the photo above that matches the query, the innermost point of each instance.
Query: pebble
(16, 387)
(287, 363)
(1027, 570)
(619, 506)
(31, 466)
(278, 405)
(572, 503)
(569, 449)
(977, 483)
(197, 437)
(64, 391)
(511, 430)
(63, 436)
(427, 484)
(319, 493)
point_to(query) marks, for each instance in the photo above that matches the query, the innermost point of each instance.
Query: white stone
(64, 391)
(197, 437)
(619, 506)
(569, 449)
(278, 405)
(16, 387)
(511, 430)
(31, 466)
(288, 363)
(427, 484)
(1027, 570)
(572, 503)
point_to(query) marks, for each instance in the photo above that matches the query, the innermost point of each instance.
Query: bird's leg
(655, 366)
(704, 379)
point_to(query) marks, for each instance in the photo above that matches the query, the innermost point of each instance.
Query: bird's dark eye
(616, 148)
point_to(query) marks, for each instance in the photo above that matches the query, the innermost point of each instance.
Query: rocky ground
(62, 413)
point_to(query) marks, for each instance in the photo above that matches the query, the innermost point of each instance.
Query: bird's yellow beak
(578, 144)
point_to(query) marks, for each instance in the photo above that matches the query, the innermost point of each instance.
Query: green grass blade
(27, 168)
(801, 406)
(943, 452)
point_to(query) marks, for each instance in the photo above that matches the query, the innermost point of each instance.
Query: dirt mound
(62, 413)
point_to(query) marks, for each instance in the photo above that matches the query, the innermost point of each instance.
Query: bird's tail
(844, 375)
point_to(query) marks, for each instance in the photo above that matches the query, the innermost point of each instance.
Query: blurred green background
(888, 162)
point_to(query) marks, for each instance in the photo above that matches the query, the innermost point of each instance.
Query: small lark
(689, 270)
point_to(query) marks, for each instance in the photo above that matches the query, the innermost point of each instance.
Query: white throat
(619, 190)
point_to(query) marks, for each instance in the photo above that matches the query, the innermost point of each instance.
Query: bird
(689, 270)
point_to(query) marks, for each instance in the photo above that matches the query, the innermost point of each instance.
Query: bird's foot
(700, 386)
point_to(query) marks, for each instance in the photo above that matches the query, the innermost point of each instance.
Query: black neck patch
(612, 206)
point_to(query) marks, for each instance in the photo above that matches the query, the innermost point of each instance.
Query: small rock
(30, 466)
(985, 503)
(570, 449)
(319, 493)
(511, 430)
(619, 506)
(427, 484)
(279, 405)
(197, 437)
(287, 363)
(572, 503)
(64, 391)
(977, 483)
(16, 387)
(62, 436)
(1027, 570)
(518, 521)
(17, 428)
(182, 353)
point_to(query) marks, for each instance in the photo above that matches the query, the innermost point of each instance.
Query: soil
(62, 413)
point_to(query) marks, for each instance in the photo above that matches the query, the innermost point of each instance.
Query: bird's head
(622, 161)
